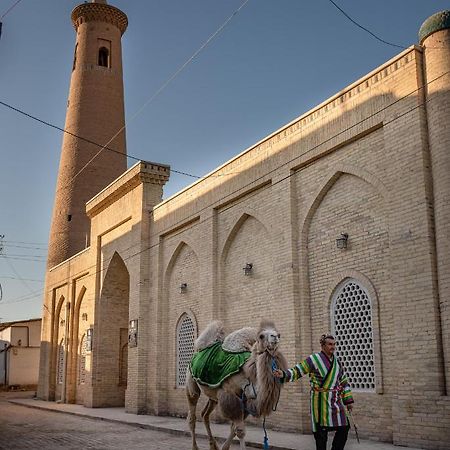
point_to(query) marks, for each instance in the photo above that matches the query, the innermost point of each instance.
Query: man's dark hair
(324, 338)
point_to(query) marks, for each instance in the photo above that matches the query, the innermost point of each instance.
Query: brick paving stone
(27, 428)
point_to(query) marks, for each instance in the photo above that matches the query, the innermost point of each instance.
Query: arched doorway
(110, 337)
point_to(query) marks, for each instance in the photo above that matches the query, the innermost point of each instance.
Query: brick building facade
(341, 219)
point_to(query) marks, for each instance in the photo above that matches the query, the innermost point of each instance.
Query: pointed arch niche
(242, 296)
(351, 202)
(59, 353)
(108, 337)
(183, 269)
(81, 358)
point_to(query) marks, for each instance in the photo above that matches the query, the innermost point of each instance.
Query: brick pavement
(112, 428)
(29, 428)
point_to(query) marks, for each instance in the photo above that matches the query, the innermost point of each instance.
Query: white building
(20, 344)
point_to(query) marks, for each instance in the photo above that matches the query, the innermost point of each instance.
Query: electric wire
(25, 258)
(151, 99)
(161, 89)
(24, 283)
(16, 278)
(9, 9)
(238, 201)
(26, 247)
(364, 28)
(28, 243)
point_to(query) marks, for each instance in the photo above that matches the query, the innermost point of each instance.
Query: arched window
(353, 329)
(60, 369)
(185, 347)
(103, 57)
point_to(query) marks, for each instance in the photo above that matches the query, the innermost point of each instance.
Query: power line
(24, 298)
(151, 99)
(25, 258)
(9, 9)
(28, 243)
(24, 247)
(364, 28)
(11, 255)
(10, 264)
(25, 279)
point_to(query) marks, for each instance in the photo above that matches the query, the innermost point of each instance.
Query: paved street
(27, 423)
(28, 428)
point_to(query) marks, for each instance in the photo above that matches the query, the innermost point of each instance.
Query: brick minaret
(95, 111)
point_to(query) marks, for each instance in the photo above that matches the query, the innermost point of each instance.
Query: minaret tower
(434, 36)
(95, 112)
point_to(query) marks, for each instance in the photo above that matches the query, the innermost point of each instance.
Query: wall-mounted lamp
(248, 269)
(84, 316)
(183, 288)
(341, 242)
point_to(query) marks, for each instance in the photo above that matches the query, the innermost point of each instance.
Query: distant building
(338, 221)
(20, 344)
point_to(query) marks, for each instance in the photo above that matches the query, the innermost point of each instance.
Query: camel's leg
(207, 410)
(192, 394)
(240, 433)
(227, 444)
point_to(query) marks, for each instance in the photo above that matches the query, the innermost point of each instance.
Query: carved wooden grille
(60, 370)
(82, 361)
(352, 321)
(185, 348)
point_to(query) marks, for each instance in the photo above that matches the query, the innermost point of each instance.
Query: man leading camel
(330, 393)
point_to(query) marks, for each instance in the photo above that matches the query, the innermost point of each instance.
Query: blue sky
(275, 60)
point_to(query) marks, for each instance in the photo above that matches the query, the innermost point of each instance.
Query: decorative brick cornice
(141, 172)
(98, 12)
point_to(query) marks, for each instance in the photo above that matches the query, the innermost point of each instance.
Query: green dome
(436, 22)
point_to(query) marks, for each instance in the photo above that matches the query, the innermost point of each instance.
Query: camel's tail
(212, 333)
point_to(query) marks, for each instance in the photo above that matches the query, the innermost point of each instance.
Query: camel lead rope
(266, 439)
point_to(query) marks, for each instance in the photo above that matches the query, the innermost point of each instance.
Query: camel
(253, 389)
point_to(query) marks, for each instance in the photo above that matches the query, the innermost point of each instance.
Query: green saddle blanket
(212, 365)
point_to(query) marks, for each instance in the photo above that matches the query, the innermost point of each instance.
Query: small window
(75, 57)
(185, 347)
(352, 323)
(103, 57)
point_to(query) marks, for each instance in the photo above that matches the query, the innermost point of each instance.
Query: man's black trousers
(340, 437)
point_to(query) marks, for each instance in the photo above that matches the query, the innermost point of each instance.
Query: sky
(272, 62)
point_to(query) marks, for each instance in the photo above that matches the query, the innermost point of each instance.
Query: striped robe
(330, 390)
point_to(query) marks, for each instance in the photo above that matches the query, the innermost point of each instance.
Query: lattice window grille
(352, 321)
(185, 348)
(82, 363)
(60, 371)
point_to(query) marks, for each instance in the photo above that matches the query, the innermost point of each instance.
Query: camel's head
(268, 337)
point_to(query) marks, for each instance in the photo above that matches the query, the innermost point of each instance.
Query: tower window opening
(75, 57)
(103, 57)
